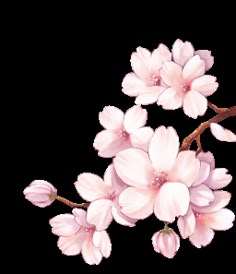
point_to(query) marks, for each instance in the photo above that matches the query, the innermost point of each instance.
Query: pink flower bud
(40, 193)
(166, 242)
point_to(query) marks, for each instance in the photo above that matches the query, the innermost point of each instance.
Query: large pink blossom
(187, 86)
(145, 82)
(103, 195)
(158, 180)
(77, 236)
(221, 133)
(166, 242)
(122, 130)
(40, 193)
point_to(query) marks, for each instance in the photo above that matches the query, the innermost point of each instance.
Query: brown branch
(216, 109)
(69, 203)
(229, 112)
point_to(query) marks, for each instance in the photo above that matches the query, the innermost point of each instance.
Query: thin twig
(69, 203)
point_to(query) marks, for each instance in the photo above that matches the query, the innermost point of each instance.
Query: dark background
(67, 63)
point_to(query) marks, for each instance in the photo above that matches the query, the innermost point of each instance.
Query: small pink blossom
(103, 195)
(40, 193)
(222, 133)
(166, 242)
(145, 82)
(77, 236)
(122, 130)
(158, 180)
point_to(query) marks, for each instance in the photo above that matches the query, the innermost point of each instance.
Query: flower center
(123, 134)
(159, 179)
(185, 88)
(155, 80)
(197, 215)
(89, 229)
(111, 195)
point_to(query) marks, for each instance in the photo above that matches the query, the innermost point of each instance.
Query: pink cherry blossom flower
(145, 82)
(158, 180)
(187, 86)
(222, 133)
(199, 223)
(122, 130)
(40, 193)
(77, 236)
(103, 195)
(166, 242)
(182, 52)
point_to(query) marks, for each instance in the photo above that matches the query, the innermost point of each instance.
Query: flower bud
(166, 242)
(40, 193)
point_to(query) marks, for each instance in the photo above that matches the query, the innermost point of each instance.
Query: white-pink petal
(171, 74)
(218, 178)
(112, 180)
(111, 117)
(172, 201)
(193, 69)
(206, 56)
(134, 167)
(140, 62)
(221, 133)
(194, 104)
(171, 99)
(186, 168)
(203, 174)
(91, 254)
(186, 224)
(202, 235)
(182, 52)
(132, 85)
(220, 220)
(102, 241)
(205, 84)
(137, 203)
(163, 148)
(120, 217)
(207, 157)
(141, 137)
(64, 225)
(90, 186)
(81, 217)
(149, 95)
(99, 214)
(135, 117)
(159, 56)
(201, 195)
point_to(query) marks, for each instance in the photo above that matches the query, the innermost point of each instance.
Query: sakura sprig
(151, 172)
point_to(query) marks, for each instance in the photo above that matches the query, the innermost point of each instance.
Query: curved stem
(229, 112)
(216, 109)
(69, 203)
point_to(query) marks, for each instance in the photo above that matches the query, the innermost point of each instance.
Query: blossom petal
(64, 225)
(99, 213)
(194, 68)
(71, 245)
(207, 157)
(108, 143)
(194, 104)
(90, 186)
(81, 217)
(202, 235)
(203, 174)
(159, 55)
(134, 167)
(134, 118)
(149, 95)
(137, 203)
(163, 148)
(218, 178)
(91, 254)
(220, 220)
(141, 137)
(172, 201)
(182, 52)
(171, 73)
(111, 117)
(140, 62)
(112, 180)
(206, 56)
(222, 133)
(201, 195)
(221, 199)
(186, 224)
(205, 84)
(170, 99)
(132, 85)
(186, 168)
(102, 240)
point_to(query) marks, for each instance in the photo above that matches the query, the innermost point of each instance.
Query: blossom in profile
(122, 130)
(40, 193)
(103, 195)
(145, 82)
(158, 179)
(77, 236)
(221, 133)
(166, 242)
